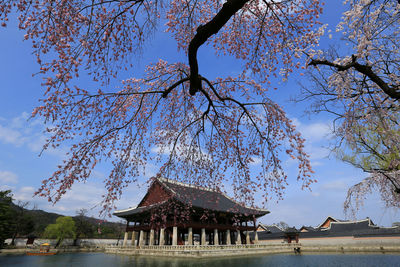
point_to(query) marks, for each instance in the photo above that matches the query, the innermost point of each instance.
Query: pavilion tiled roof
(132, 211)
(197, 197)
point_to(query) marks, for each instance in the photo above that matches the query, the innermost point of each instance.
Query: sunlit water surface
(100, 259)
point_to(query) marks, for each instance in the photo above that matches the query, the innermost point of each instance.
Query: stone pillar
(203, 236)
(228, 237)
(255, 237)
(162, 237)
(125, 239)
(141, 238)
(133, 238)
(216, 237)
(175, 236)
(238, 238)
(190, 236)
(247, 238)
(151, 241)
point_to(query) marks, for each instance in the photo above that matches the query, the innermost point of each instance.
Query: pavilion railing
(209, 247)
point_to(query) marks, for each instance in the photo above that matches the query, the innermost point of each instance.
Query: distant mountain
(98, 228)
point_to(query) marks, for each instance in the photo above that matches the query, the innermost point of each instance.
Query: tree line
(17, 221)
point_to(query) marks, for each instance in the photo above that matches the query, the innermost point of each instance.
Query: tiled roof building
(172, 212)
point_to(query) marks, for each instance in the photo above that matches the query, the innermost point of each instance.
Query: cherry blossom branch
(204, 32)
(391, 91)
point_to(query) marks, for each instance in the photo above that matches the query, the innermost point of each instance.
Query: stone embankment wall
(21, 242)
(346, 244)
(306, 245)
(14, 251)
(203, 251)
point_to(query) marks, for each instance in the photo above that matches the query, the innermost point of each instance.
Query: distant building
(269, 228)
(174, 213)
(329, 228)
(327, 222)
(269, 232)
(304, 229)
(332, 227)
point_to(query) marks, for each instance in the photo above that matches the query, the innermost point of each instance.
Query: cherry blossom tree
(359, 84)
(212, 129)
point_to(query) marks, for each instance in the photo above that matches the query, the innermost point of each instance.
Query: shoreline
(23, 251)
(218, 253)
(248, 250)
(310, 246)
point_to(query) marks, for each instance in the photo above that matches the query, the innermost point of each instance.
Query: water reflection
(100, 259)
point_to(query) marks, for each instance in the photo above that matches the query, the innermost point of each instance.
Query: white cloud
(313, 132)
(151, 170)
(157, 150)
(22, 131)
(11, 136)
(8, 177)
(18, 130)
(27, 189)
(24, 193)
(318, 136)
(315, 194)
(337, 185)
(316, 131)
(256, 161)
(20, 121)
(36, 145)
(316, 163)
(82, 195)
(317, 152)
(6, 187)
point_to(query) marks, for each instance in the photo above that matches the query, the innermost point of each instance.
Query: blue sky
(22, 170)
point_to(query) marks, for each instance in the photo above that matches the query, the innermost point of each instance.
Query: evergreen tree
(7, 222)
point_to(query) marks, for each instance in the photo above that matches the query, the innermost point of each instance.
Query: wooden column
(203, 236)
(175, 236)
(151, 240)
(216, 241)
(247, 238)
(228, 237)
(190, 236)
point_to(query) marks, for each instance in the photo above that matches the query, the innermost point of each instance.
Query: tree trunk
(58, 243)
(13, 239)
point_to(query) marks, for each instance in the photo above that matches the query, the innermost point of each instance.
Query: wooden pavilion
(175, 213)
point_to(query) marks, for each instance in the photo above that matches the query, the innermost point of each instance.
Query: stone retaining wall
(21, 242)
(58, 250)
(352, 241)
(307, 245)
(310, 245)
(203, 251)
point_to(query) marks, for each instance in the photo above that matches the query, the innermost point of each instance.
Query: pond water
(100, 259)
